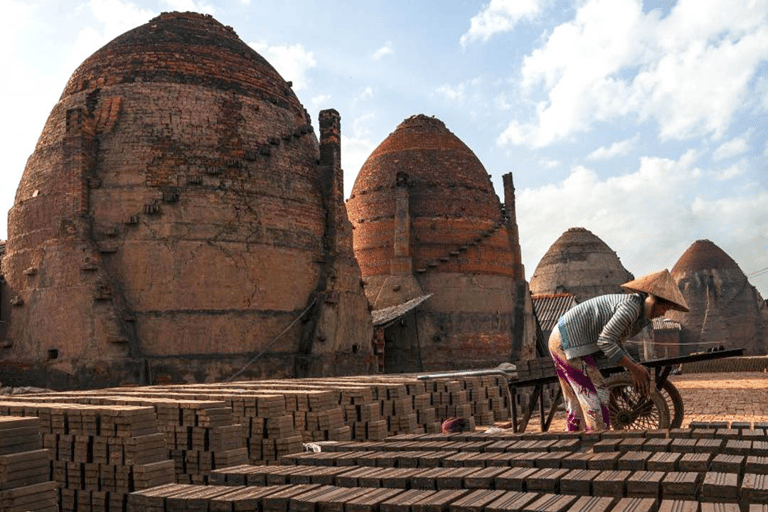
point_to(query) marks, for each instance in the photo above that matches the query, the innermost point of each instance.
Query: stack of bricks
(277, 416)
(25, 468)
(271, 422)
(489, 396)
(397, 404)
(99, 454)
(201, 437)
(210, 426)
(536, 368)
(340, 410)
(271, 427)
(450, 399)
(363, 414)
(484, 399)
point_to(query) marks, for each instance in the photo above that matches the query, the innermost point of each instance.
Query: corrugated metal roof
(661, 324)
(386, 315)
(550, 307)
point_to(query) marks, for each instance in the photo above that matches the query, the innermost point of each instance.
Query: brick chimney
(514, 235)
(401, 262)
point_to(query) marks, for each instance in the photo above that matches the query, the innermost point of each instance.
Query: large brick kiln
(429, 224)
(177, 217)
(725, 309)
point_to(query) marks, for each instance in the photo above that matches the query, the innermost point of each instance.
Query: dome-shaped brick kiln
(177, 218)
(725, 309)
(581, 264)
(427, 221)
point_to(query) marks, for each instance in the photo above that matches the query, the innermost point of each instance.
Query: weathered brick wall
(175, 205)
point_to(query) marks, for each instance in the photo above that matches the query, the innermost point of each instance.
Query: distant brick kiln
(725, 308)
(581, 264)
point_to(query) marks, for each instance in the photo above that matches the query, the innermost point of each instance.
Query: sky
(645, 122)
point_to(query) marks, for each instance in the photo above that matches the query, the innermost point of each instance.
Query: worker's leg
(595, 397)
(575, 416)
(580, 377)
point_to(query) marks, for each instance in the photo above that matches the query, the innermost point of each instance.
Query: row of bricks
(654, 443)
(114, 421)
(41, 497)
(733, 446)
(655, 461)
(313, 498)
(757, 433)
(487, 446)
(711, 485)
(106, 477)
(728, 446)
(681, 445)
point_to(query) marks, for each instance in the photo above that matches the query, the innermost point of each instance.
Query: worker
(598, 327)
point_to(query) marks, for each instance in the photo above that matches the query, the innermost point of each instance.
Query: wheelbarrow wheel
(629, 410)
(674, 404)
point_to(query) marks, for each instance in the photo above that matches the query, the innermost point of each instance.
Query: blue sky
(644, 122)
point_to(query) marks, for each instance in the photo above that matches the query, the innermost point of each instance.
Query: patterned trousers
(584, 391)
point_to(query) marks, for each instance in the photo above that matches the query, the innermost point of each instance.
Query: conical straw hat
(662, 285)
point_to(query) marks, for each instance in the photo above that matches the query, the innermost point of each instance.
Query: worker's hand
(641, 378)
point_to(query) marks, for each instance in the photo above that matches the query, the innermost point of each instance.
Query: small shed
(548, 308)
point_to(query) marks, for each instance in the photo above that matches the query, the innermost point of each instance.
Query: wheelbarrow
(662, 408)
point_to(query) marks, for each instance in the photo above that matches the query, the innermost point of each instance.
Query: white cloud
(363, 95)
(21, 14)
(451, 93)
(548, 163)
(291, 61)
(115, 17)
(457, 93)
(192, 5)
(501, 102)
(384, 50)
(729, 173)
(500, 16)
(367, 93)
(356, 148)
(354, 153)
(649, 217)
(642, 215)
(514, 134)
(733, 147)
(689, 72)
(738, 221)
(319, 101)
(761, 91)
(616, 149)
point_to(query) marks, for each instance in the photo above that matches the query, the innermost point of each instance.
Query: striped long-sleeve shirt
(602, 324)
